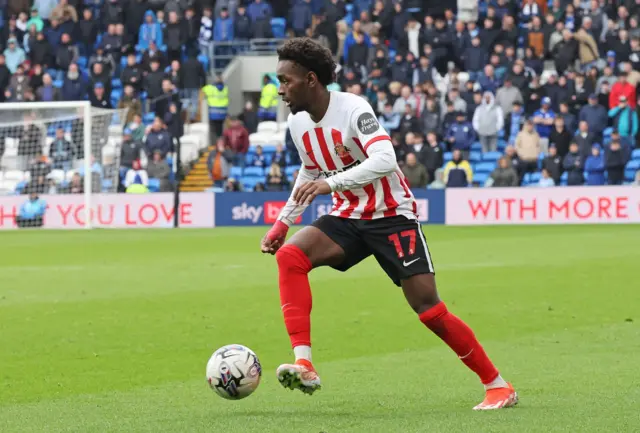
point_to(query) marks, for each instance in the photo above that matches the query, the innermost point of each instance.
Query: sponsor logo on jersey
(367, 123)
(332, 172)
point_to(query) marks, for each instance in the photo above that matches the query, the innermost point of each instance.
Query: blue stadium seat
(107, 184)
(607, 132)
(236, 172)
(447, 156)
(475, 156)
(564, 178)
(268, 149)
(20, 187)
(535, 177)
(278, 27)
(290, 169)
(82, 62)
(123, 61)
(480, 178)
(253, 171)
(154, 184)
(116, 83)
(502, 144)
(58, 83)
(250, 182)
(115, 96)
(635, 154)
(476, 147)
(629, 175)
(205, 61)
(484, 167)
(148, 118)
(491, 156)
(633, 165)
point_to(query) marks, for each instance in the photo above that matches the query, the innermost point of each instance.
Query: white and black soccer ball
(234, 372)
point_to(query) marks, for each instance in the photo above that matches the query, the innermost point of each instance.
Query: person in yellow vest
(217, 95)
(269, 100)
(137, 188)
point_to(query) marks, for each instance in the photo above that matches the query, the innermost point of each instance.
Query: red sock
(461, 339)
(295, 293)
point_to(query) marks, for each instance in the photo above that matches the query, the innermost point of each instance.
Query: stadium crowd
(495, 93)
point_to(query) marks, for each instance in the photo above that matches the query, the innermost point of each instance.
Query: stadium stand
(472, 74)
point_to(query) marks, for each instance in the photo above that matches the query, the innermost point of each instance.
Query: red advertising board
(560, 205)
(116, 210)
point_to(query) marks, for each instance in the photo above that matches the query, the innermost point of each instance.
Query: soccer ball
(234, 372)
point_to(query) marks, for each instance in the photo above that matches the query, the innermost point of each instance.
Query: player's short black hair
(311, 55)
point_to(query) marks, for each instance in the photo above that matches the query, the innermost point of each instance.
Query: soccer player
(346, 153)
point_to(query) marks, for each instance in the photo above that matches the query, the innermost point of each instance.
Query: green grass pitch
(110, 331)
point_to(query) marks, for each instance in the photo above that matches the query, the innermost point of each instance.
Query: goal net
(57, 156)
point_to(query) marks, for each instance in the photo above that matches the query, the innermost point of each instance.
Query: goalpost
(58, 152)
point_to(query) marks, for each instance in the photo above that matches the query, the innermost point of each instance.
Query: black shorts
(397, 243)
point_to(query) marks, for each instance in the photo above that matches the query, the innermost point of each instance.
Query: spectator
(237, 138)
(132, 73)
(431, 155)
(169, 96)
(507, 96)
(61, 152)
(153, 81)
(460, 135)
(173, 120)
(129, 149)
(573, 164)
(47, 92)
(249, 118)
(584, 139)
(560, 137)
(595, 115)
(150, 30)
(488, 80)
(438, 183)
(552, 163)
(615, 163)
(14, 55)
(98, 98)
(625, 119)
(158, 138)
(570, 121)
(457, 172)
(87, 32)
(279, 156)
(543, 119)
(219, 163)
(594, 167)
(66, 53)
(430, 117)
(504, 175)
(242, 24)
(408, 122)
(275, 181)
(19, 87)
(74, 87)
(31, 213)
(488, 120)
(528, 146)
(405, 99)
(587, 46)
(223, 28)
(514, 122)
(131, 103)
(174, 37)
(232, 185)
(259, 159)
(258, 10)
(400, 147)
(546, 180)
(415, 173)
(300, 17)
(622, 88)
(136, 175)
(389, 119)
(352, 38)
(194, 78)
(475, 58)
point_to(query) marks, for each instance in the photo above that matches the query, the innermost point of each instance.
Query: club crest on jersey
(367, 123)
(342, 150)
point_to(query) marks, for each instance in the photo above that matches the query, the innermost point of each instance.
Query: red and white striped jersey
(350, 149)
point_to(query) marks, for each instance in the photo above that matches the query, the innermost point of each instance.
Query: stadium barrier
(565, 205)
(258, 209)
(66, 211)
(463, 206)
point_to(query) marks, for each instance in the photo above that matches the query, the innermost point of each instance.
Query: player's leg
(326, 243)
(406, 259)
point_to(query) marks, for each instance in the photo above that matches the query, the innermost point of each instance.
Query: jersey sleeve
(381, 158)
(307, 173)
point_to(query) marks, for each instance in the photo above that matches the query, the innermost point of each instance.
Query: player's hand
(274, 238)
(310, 190)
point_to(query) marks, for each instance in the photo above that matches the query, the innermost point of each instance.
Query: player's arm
(381, 158)
(276, 236)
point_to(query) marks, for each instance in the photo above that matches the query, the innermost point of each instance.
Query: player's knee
(291, 258)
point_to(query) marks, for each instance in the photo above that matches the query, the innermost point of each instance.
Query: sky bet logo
(271, 210)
